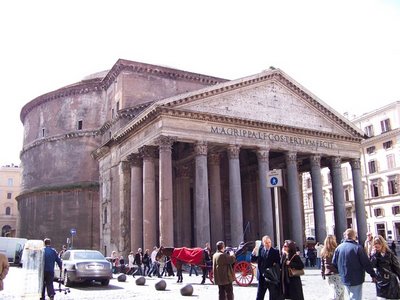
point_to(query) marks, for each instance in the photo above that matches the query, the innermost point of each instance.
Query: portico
(199, 163)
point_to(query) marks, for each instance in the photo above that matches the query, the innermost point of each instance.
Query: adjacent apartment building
(10, 187)
(380, 161)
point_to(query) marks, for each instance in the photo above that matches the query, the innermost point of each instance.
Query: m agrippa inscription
(273, 137)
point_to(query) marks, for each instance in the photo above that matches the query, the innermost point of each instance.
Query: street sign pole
(275, 181)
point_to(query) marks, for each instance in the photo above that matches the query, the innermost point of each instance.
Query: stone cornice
(100, 83)
(391, 134)
(70, 135)
(159, 111)
(79, 88)
(137, 67)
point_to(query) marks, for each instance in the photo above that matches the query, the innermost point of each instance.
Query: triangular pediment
(271, 97)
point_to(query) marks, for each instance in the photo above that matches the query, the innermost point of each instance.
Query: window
(347, 195)
(8, 211)
(396, 210)
(374, 189)
(371, 150)
(385, 125)
(43, 132)
(369, 130)
(118, 106)
(9, 195)
(391, 162)
(112, 113)
(308, 183)
(392, 185)
(345, 173)
(10, 182)
(387, 145)
(80, 125)
(310, 201)
(372, 166)
(328, 178)
(379, 212)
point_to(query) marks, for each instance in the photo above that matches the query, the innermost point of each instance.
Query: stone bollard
(187, 290)
(140, 281)
(161, 285)
(121, 278)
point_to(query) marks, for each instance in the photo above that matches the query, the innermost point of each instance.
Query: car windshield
(88, 255)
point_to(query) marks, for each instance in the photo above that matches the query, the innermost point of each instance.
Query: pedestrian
(131, 269)
(368, 244)
(351, 261)
(4, 267)
(114, 262)
(62, 251)
(146, 262)
(329, 271)
(207, 260)
(291, 285)
(393, 247)
(387, 270)
(155, 265)
(223, 271)
(267, 259)
(193, 270)
(50, 258)
(318, 248)
(138, 261)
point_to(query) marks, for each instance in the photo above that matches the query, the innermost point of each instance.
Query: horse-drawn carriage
(243, 268)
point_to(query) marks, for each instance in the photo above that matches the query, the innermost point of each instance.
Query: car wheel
(67, 281)
(105, 282)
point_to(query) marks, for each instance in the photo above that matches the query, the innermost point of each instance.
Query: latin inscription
(273, 137)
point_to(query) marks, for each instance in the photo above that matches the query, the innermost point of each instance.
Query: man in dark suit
(266, 257)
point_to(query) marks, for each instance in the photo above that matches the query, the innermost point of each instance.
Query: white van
(12, 248)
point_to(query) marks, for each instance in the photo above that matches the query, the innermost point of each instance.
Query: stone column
(266, 214)
(202, 206)
(294, 205)
(150, 218)
(359, 200)
(339, 207)
(318, 198)
(235, 196)
(216, 214)
(166, 196)
(184, 212)
(136, 201)
(124, 207)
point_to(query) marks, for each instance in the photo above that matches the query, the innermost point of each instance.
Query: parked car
(83, 265)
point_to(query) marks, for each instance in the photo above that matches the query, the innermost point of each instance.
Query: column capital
(263, 154)
(183, 171)
(125, 165)
(335, 162)
(148, 152)
(165, 142)
(201, 148)
(135, 159)
(355, 163)
(214, 158)
(315, 160)
(233, 151)
(291, 158)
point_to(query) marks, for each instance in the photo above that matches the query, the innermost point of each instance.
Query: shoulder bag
(294, 272)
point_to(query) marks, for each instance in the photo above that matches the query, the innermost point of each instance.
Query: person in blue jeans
(50, 258)
(351, 261)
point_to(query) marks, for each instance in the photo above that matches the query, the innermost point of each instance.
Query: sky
(347, 53)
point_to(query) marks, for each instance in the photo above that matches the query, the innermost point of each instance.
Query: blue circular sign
(73, 231)
(273, 181)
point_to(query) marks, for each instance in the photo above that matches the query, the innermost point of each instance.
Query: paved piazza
(313, 285)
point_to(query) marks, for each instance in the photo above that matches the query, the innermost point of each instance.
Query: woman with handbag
(387, 270)
(329, 271)
(292, 269)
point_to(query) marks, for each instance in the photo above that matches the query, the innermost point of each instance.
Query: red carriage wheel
(243, 273)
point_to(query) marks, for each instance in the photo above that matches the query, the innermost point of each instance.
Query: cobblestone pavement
(313, 286)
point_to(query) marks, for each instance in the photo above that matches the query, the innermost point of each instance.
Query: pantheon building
(143, 155)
